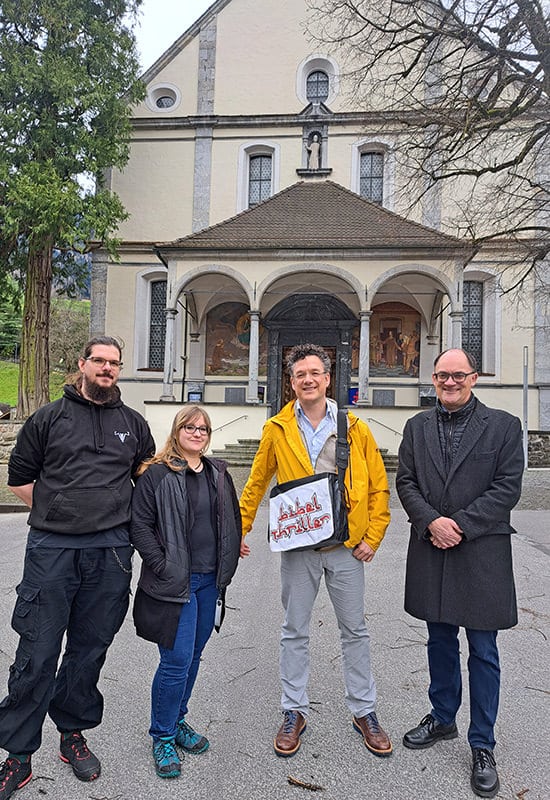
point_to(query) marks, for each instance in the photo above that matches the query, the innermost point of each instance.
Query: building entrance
(317, 318)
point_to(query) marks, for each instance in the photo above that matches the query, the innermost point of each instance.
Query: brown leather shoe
(287, 741)
(375, 738)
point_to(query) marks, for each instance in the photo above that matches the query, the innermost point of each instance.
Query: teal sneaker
(167, 761)
(190, 740)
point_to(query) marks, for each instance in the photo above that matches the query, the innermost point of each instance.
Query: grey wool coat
(471, 584)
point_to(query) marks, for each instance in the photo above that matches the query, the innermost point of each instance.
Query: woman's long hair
(172, 454)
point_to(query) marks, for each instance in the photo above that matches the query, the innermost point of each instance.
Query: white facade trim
(144, 279)
(385, 147)
(256, 148)
(313, 63)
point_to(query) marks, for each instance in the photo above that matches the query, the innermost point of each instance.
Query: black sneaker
(74, 751)
(14, 774)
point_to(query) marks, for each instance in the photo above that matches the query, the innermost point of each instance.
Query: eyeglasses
(100, 362)
(458, 377)
(191, 429)
(302, 376)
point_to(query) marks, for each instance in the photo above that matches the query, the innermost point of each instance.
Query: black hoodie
(81, 457)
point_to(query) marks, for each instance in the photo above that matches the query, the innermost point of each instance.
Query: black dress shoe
(484, 780)
(429, 732)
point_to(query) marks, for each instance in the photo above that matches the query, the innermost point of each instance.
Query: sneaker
(167, 761)
(190, 740)
(14, 774)
(74, 751)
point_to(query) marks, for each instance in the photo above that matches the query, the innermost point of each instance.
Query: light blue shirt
(316, 438)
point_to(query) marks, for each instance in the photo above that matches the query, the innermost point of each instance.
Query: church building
(266, 208)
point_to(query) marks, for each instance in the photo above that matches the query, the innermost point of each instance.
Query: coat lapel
(433, 445)
(474, 430)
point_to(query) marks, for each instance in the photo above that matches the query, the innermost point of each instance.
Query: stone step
(242, 454)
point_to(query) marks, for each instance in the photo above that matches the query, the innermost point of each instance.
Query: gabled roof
(312, 215)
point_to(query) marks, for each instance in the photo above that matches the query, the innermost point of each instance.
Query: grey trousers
(301, 574)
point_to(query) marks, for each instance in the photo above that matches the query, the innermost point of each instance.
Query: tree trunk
(34, 363)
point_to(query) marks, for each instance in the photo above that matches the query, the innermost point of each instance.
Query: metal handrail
(372, 419)
(231, 421)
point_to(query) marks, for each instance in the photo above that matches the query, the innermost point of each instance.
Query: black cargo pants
(85, 594)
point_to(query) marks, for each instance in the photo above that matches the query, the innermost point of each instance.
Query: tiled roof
(315, 215)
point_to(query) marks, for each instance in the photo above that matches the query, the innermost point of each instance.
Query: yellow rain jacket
(282, 452)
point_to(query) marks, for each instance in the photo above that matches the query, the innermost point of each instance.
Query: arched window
(157, 325)
(371, 176)
(259, 178)
(257, 173)
(317, 79)
(472, 321)
(317, 86)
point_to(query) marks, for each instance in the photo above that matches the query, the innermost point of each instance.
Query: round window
(165, 101)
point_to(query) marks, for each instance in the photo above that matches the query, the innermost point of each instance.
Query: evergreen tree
(68, 78)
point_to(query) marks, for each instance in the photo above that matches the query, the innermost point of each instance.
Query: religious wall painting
(394, 341)
(228, 341)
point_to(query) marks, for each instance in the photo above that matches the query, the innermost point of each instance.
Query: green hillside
(9, 373)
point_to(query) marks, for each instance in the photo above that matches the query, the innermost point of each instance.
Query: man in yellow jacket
(297, 442)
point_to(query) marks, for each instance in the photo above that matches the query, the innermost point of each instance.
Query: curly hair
(301, 351)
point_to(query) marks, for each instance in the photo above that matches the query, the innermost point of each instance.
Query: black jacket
(161, 519)
(81, 456)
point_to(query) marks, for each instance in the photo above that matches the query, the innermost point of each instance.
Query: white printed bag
(307, 513)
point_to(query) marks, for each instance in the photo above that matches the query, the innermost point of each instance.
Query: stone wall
(539, 448)
(8, 435)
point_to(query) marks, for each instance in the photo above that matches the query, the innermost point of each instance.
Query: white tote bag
(302, 513)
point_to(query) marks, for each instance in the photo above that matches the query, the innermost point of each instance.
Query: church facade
(266, 210)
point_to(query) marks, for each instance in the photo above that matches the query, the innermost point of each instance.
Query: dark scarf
(451, 426)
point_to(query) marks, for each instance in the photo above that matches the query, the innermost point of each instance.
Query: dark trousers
(446, 682)
(85, 594)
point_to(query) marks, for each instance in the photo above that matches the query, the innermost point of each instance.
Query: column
(456, 328)
(168, 381)
(253, 357)
(364, 358)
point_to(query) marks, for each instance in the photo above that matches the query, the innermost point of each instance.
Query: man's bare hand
(363, 552)
(445, 533)
(245, 549)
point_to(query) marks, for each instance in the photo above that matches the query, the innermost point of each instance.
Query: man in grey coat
(459, 476)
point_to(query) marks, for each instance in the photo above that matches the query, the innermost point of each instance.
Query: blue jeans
(446, 681)
(178, 668)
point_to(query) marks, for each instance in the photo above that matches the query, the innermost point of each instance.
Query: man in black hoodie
(72, 465)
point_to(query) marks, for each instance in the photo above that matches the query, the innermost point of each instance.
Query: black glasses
(100, 362)
(191, 429)
(458, 377)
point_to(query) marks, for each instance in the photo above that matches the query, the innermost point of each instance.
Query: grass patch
(9, 375)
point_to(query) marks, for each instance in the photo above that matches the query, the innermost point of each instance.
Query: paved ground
(237, 694)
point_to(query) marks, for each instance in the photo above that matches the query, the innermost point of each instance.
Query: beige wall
(181, 72)
(156, 188)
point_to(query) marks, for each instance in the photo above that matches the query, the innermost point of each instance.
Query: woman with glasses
(186, 527)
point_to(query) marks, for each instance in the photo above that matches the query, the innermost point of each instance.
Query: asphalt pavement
(236, 699)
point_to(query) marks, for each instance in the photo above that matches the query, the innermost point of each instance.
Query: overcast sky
(162, 22)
